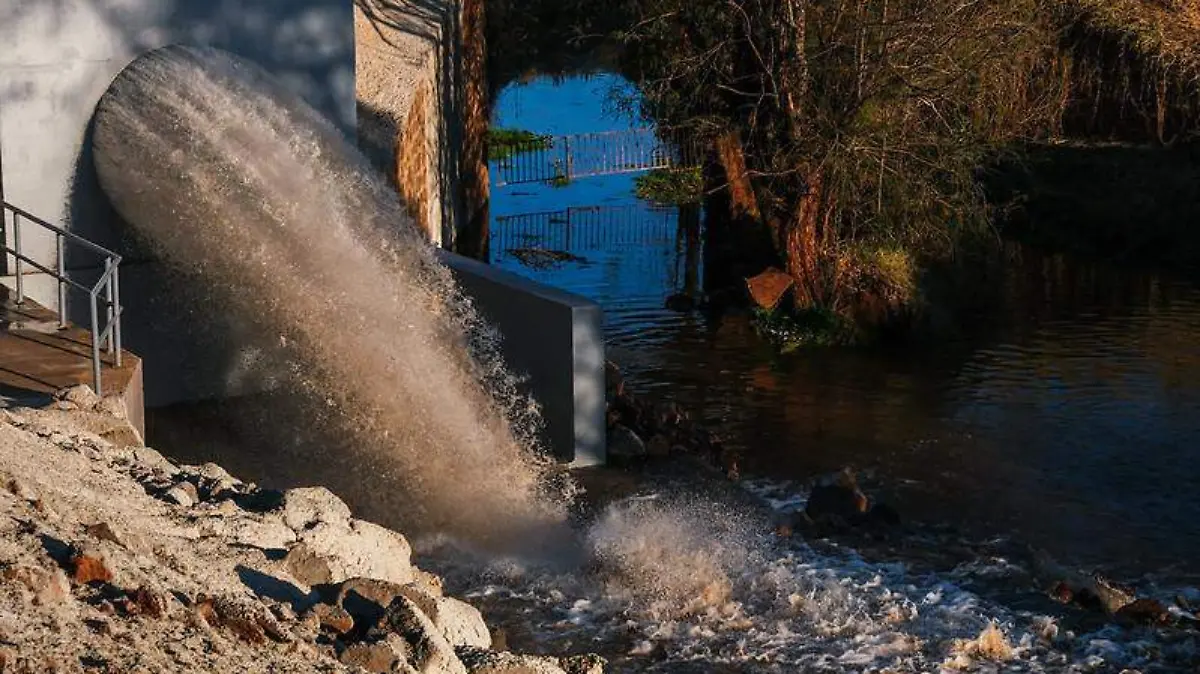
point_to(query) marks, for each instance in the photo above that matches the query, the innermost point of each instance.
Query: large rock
(459, 623)
(360, 549)
(837, 496)
(430, 652)
(306, 507)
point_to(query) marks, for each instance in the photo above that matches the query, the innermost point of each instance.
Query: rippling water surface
(1071, 422)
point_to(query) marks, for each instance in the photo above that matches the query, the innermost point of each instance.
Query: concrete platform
(37, 359)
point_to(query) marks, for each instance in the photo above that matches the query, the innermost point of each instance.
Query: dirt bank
(115, 559)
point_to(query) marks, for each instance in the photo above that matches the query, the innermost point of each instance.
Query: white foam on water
(783, 606)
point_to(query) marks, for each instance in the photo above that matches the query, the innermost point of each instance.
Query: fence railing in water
(586, 228)
(564, 158)
(105, 292)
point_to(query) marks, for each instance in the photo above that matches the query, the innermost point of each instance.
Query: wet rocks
(838, 497)
(624, 446)
(431, 652)
(1144, 612)
(480, 661)
(639, 430)
(837, 503)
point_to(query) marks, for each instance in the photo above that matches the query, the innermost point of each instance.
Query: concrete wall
(555, 339)
(57, 60)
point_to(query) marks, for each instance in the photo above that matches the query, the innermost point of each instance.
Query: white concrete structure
(58, 57)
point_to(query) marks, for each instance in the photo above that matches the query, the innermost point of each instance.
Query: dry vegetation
(1135, 68)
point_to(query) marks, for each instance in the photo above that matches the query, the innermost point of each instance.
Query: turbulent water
(687, 585)
(336, 300)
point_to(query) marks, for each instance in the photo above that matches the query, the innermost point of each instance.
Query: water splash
(244, 187)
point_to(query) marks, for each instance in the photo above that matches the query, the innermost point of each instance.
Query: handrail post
(116, 290)
(108, 305)
(95, 344)
(17, 247)
(62, 281)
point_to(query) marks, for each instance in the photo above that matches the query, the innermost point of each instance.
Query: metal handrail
(109, 283)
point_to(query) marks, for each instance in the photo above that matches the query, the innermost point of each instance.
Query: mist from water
(334, 297)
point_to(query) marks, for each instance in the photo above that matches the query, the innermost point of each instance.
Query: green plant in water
(505, 143)
(670, 186)
(806, 328)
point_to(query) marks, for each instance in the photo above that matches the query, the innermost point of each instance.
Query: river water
(1071, 422)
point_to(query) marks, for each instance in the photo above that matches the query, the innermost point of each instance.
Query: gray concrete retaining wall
(554, 338)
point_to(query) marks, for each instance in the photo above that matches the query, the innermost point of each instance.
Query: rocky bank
(115, 559)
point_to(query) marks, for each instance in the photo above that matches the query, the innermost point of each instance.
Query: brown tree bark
(473, 239)
(730, 154)
(803, 239)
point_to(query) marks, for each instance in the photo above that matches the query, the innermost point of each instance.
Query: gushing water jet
(244, 188)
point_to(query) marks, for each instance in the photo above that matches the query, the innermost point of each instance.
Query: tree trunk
(803, 243)
(742, 201)
(476, 184)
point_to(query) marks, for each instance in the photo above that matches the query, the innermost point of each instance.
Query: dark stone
(624, 445)
(366, 599)
(840, 498)
(1144, 612)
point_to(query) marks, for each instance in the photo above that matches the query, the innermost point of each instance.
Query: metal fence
(565, 158)
(109, 284)
(585, 228)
